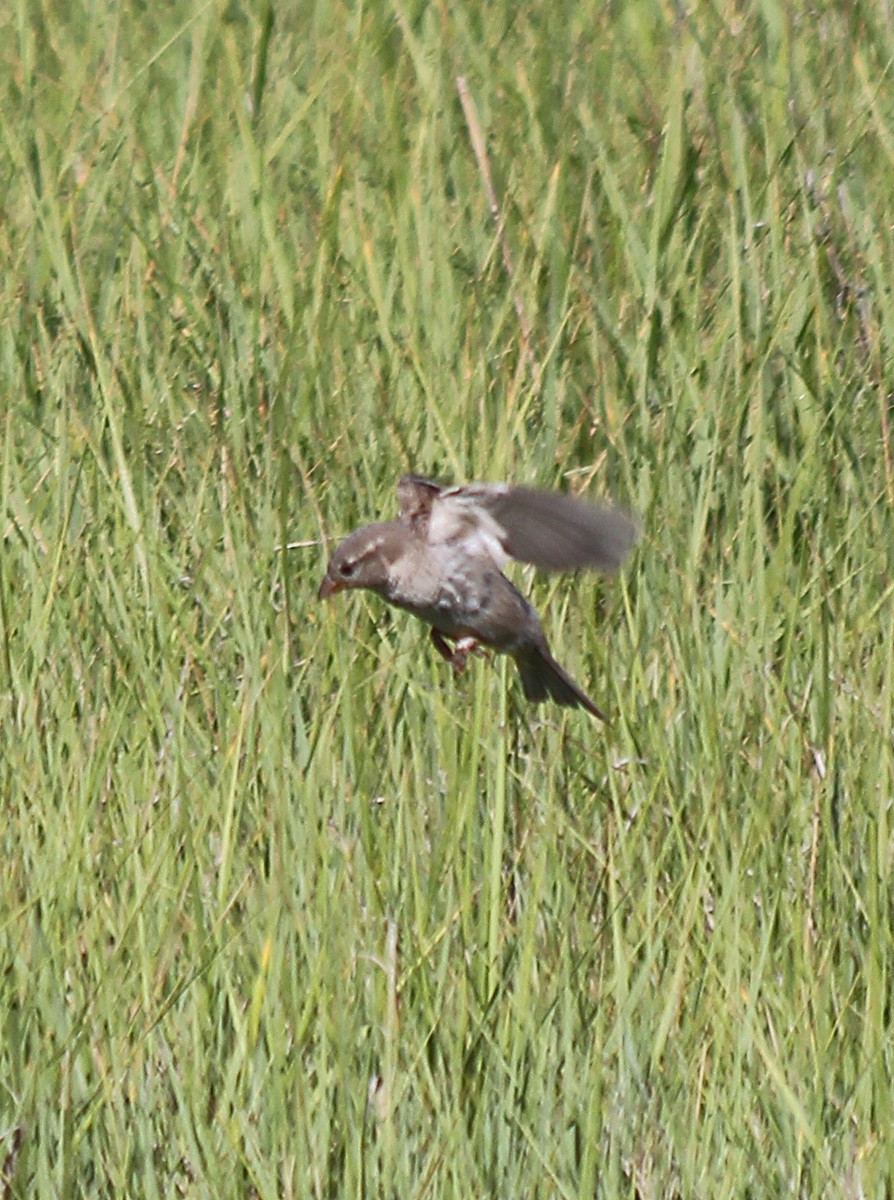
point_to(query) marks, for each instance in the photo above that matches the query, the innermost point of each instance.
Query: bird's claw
(461, 651)
(458, 654)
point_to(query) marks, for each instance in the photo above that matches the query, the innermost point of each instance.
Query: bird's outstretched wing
(552, 530)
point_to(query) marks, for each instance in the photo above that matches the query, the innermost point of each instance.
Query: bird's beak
(329, 587)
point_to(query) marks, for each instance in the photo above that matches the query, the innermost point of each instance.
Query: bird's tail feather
(543, 678)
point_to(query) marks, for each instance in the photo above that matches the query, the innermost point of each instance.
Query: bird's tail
(543, 678)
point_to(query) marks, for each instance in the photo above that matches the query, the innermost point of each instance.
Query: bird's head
(364, 559)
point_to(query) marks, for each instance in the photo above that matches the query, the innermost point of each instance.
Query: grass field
(287, 910)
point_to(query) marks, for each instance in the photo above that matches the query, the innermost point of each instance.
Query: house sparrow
(441, 560)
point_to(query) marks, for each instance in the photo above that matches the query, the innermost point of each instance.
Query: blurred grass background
(287, 910)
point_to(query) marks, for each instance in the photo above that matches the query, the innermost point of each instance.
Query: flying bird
(441, 560)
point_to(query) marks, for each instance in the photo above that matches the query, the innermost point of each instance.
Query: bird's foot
(457, 654)
(461, 651)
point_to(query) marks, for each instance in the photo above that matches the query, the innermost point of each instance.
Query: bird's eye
(346, 570)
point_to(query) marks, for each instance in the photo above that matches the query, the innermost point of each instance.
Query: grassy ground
(285, 909)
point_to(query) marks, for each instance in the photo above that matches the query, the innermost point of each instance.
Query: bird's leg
(442, 646)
